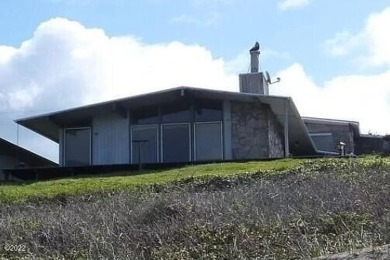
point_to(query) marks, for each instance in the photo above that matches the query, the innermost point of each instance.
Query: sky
(333, 57)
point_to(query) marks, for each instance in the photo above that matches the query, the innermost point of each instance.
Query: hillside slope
(298, 211)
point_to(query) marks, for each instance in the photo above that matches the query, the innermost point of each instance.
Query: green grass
(119, 180)
(284, 209)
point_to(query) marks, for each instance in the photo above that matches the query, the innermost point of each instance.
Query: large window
(145, 116)
(177, 112)
(176, 143)
(324, 141)
(180, 131)
(207, 110)
(77, 146)
(144, 143)
(208, 141)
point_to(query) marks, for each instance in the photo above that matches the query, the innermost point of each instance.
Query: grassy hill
(285, 209)
(126, 180)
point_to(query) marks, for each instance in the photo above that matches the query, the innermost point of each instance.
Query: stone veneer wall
(250, 130)
(275, 137)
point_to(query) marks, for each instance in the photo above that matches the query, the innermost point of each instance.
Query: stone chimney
(255, 81)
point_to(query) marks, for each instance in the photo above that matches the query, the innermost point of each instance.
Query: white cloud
(65, 64)
(241, 63)
(352, 97)
(377, 30)
(344, 43)
(289, 4)
(369, 46)
(6, 53)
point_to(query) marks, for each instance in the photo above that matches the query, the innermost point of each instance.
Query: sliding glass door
(77, 146)
(176, 142)
(208, 141)
(144, 143)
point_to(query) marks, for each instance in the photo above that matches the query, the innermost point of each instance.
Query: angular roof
(49, 124)
(33, 159)
(353, 124)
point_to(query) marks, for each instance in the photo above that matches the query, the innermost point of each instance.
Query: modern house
(187, 124)
(180, 125)
(369, 144)
(327, 134)
(13, 156)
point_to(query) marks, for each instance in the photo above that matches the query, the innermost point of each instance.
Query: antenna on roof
(268, 79)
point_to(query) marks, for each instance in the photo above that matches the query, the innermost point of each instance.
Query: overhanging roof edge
(24, 150)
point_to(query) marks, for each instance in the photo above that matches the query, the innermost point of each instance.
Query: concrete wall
(110, 139)
(340, 132)
(386, 146)
(250, 130)
(370, 144)
(253, 83)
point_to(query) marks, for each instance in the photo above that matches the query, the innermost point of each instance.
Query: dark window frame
(190, 157)
(156, 126)
(64, 143)
(221, 139)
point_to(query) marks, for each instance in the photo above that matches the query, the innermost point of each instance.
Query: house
(187, 124)
(178, 125)
(327, 134)
(370, 144)
(386, 144)
(13, 156)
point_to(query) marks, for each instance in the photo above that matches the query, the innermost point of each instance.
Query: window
(176, 143)
(208, 110)
(145, 116)
(175, 113)
(324, 141)
(208, 141)
(144, 144)
(181, 131)
(77, 146)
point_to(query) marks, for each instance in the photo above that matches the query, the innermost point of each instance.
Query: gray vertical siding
(227, 131)
(110, 139)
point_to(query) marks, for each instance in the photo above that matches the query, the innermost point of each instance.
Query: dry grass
(324, 207)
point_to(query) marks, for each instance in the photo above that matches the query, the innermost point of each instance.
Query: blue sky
(225, 27)
(104, 49)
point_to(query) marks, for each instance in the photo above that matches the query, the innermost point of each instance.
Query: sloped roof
(300, 142)
(327, 121)
(24, 155)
